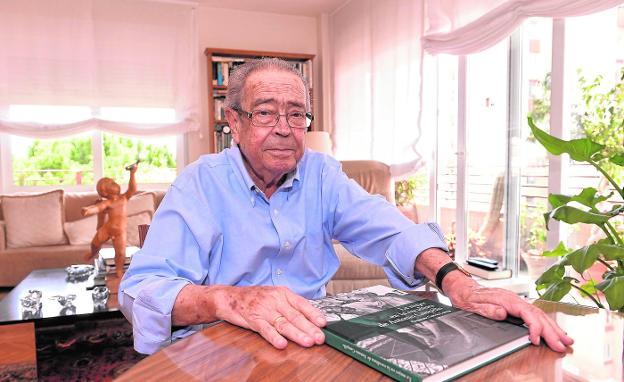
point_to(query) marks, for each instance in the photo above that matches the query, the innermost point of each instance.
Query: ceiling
(310, 8)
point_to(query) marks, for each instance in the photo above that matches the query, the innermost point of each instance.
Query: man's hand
(494, 303)
(275, 312)
(497, 303)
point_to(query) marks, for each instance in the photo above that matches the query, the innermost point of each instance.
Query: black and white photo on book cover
(421, 336)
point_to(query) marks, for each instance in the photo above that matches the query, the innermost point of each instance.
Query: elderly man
(246, 235)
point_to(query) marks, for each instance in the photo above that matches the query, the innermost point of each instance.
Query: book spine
(370, 359)
(219, 74)
(226, 73)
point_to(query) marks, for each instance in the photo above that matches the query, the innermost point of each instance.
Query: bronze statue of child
(113, 226)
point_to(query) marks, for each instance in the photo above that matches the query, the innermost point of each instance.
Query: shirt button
(275, 212)
(279, 272)
(286, 244)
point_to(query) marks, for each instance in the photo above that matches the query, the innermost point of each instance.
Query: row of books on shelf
(219, 108)
(223, 66)
(222, 137)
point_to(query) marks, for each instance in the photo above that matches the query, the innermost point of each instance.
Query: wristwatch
(445, 270)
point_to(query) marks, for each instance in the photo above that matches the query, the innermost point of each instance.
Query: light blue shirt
(214, 226)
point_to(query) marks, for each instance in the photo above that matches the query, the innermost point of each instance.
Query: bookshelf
(220, 62)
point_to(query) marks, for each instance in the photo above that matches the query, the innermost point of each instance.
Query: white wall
(235, 29)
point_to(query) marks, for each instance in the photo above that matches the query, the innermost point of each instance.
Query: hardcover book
(496, 274)
(410, 338)
(107, 254)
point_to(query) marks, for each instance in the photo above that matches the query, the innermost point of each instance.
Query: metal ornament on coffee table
(78, 272)
(67, 304)
(100, 298)
(31, 304)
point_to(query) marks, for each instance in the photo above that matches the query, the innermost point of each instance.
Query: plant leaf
(558, 200)
(557, 290)
(583, 258)
(610, 251)
(617, 159)
(586, 197)
(580, 150)
(589, 287)
(552, 275)
(572, 215)
(613, 290)
(560, 250)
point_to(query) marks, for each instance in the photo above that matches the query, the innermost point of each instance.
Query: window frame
(515, 119)
(6, 166)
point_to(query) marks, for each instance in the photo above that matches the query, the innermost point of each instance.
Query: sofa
(70, 243)
(47, 230)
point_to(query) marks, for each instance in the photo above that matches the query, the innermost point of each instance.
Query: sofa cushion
(81, 232)
(74, 201)
(2, 236)
(134, 221)
(34, 219)
(141, 202)
(372, 175)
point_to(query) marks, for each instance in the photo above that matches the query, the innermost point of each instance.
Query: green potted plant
(533, 232)
(555, 282)
(405, 197)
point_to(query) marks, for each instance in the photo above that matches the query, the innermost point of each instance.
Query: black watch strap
(445, 270)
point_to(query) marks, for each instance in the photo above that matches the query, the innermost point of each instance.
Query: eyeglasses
(267, 118)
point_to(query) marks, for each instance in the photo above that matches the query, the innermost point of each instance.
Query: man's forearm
(431, 260)
(197, 304)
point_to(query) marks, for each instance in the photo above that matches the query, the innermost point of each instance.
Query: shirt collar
(236, 159)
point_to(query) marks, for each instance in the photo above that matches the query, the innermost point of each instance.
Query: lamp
(319, 141)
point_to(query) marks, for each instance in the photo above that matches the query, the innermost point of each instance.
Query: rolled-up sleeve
(375, 230)
(171, 258)
(148, 306)
(405, 248)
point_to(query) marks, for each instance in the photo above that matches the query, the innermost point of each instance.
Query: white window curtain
(376, 76)
(99, 54)
(463, 27)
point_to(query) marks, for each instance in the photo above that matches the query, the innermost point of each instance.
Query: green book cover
(410, 338)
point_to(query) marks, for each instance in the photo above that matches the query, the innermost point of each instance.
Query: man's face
(271, 152)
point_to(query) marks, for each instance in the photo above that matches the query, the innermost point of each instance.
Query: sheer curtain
(98, 54)
(376, 76)
(463, 27)
(378, 52)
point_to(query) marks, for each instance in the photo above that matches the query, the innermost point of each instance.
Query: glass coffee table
(57, 288)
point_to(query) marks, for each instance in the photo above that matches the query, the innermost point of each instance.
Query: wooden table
(225, 352)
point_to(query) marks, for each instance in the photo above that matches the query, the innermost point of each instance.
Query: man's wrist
(218, 300)
(457, 281)
(444, 271)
